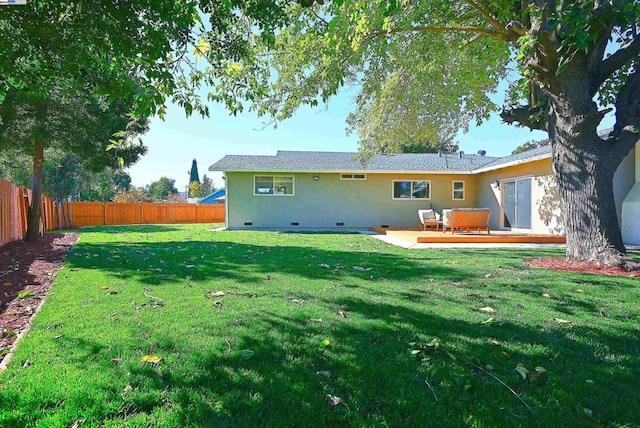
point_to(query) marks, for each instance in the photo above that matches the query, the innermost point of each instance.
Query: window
(458, 190)
(277, 185)
(411, 190)
(353, 176)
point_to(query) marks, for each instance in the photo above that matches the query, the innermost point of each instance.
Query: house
(335, 190)
(217, 197)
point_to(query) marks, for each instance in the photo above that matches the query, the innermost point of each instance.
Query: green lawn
(401, 339)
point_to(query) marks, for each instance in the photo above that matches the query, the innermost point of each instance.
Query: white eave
(343, 171)
(512, 163)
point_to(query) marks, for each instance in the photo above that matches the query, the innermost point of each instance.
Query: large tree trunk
(591, 223)
(33, 217)
(584, 164)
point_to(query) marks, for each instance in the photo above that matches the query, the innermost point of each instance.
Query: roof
(307, 161)
(523, 157)
(213, 196)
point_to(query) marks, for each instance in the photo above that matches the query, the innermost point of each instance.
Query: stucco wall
(546, 206)
(323, 203)
(363, 204)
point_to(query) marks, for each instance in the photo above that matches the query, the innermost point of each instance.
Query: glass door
(516, 203)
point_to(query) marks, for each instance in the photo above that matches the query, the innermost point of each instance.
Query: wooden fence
(15, 201)
(14, 206)
(116, 213)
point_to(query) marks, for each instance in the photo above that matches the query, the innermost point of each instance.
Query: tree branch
(626, 131)
(608, 66)
(422, 29)
(486, 15)
(531, 117)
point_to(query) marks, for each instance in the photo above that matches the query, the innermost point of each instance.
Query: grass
(290, 333)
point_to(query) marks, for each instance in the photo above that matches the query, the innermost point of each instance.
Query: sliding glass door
(516, 203)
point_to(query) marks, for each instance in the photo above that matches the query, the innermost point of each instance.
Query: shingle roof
(529, 155)
(301, 161)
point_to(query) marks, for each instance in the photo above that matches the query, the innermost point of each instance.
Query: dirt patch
(27, 270)
(573, 266)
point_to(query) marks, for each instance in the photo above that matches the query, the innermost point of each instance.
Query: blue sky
(175, 142)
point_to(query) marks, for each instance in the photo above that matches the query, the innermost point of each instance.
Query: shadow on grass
(369, 365)
(206, 379)
(162, 263)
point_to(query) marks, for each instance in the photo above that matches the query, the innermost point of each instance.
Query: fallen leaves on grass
(152, 359)
(531, 376)
(214, 294)
(333, 400)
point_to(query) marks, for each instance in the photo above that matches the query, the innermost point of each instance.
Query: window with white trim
(407, 190)
(273, 185)
(458, 190)
(353, 176)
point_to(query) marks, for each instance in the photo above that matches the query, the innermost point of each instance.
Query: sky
(176, 141)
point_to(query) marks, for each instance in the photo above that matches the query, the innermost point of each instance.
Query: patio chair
(429, 218)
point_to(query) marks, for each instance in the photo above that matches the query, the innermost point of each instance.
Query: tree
(529, 145)
(193, 172)
(175, 198)
(104, 185)
(160, 190)
(77, 123)
(145, 51)
(194, 180)
(427, 68)
(200, 190)
(195, 189)
(207, 186)
(66, 176)
(133, 195)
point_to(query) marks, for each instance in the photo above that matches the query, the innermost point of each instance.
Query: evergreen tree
(193, 172)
